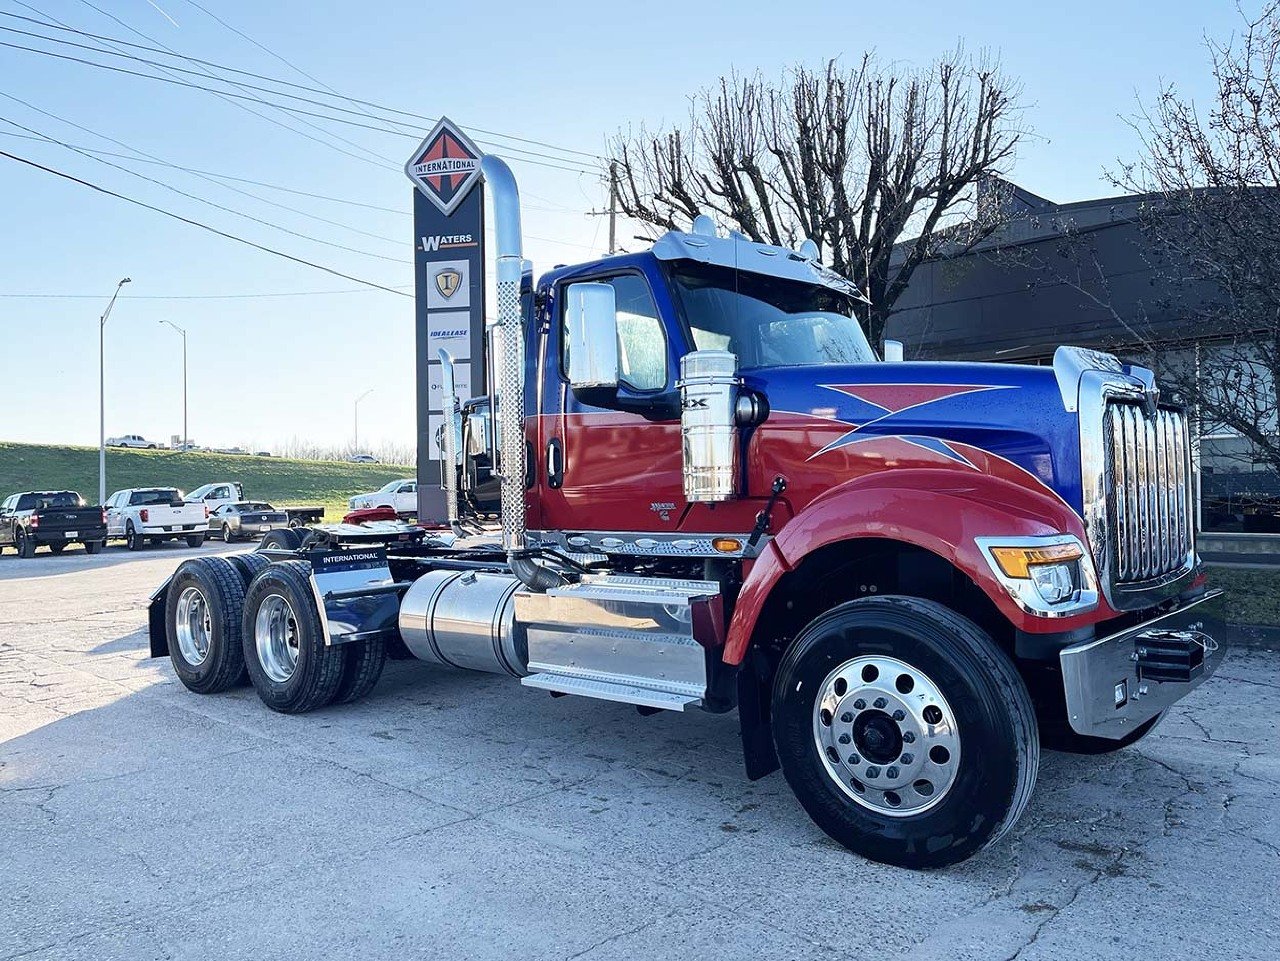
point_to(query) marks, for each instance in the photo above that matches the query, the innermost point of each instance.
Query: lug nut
(899, 715)
(859, 704)
(908, 737)
(873, 772)
(854, 759)
(907, 758)
(843, 739)
(846, 717)
(891, 773)
(879, 702)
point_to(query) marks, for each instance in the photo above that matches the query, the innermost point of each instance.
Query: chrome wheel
(886, 735)
(193, 626)
(275, 634)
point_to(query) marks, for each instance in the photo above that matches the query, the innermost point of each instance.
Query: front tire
(904, 731)
(227, 536)
(202, 624)
(291, 667)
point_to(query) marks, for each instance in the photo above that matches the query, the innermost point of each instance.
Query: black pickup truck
(52, 518)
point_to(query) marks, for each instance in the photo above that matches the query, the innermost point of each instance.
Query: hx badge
(447, 282)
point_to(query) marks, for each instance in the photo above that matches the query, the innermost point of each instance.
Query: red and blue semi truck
(905, 577)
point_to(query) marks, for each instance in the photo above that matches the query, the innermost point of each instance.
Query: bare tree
(1216, 177)
(857, 159)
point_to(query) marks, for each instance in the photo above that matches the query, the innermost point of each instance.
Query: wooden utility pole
(612, 212)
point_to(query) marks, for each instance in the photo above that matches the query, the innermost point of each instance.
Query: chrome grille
(1149, 473)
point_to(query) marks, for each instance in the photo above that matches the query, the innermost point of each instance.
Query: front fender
(939, 510)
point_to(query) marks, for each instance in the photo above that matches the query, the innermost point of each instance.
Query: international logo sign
(445, 166)
(448, 281)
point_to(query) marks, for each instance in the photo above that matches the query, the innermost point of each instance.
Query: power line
(202, 226)
(52, 22)
(376, 158)
(258, 76)
(149, 159)
(282, 293)
(278, 93)
(199, 199)
(152, 159)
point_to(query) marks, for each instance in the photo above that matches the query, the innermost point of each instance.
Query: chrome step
(610, 691)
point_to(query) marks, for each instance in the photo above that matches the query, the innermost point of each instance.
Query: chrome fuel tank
(465, 619)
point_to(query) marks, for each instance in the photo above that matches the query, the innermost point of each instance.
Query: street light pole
(102, 395)
(356, 410)
(186, 440)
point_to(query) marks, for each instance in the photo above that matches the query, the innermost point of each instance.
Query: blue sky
(268, 368)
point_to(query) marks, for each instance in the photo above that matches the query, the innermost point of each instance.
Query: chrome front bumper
(1115, 683)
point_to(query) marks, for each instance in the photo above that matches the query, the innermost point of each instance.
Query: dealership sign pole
(448, 227)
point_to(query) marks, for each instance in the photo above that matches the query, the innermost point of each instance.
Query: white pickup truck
(142, 515)
(400, 495)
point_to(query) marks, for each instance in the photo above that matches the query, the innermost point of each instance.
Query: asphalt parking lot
(456, 815)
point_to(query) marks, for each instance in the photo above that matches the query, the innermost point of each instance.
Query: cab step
(635, 640)
(611, 691)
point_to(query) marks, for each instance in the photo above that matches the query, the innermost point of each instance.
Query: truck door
(615, 468)
(6, 520)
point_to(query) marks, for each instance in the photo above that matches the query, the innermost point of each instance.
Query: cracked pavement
(458, 815)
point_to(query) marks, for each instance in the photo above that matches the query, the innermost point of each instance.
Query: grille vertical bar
(1148, 471)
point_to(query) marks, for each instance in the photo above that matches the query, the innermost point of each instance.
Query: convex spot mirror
(591, 329)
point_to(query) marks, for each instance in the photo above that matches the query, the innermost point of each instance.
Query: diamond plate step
(610, 691)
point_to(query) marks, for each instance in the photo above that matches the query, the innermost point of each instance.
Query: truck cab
(713, 494)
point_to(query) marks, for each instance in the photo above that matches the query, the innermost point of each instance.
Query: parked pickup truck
(52, 518)
(142, 515)
(222, 493)
(400, 495)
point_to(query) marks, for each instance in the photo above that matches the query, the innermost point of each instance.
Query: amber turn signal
(1016, 561)
(727, 545)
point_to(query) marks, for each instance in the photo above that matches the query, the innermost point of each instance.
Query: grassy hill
(276, 479)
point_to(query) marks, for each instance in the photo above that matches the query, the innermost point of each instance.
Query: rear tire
(93, 547)
(57, 548)
(133, 540)
(25, 544)
(291, 667)
(362, 666)
(282, 539)
(227, 536)
(203, 624)
(195, 540)
(248, 565)
(945, 774)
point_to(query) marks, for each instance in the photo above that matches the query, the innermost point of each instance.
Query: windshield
(47, 500)
(769, 321)
(155, 498)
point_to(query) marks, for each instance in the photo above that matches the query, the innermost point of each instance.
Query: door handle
(555, 463)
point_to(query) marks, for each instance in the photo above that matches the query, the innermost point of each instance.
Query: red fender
(940, 510)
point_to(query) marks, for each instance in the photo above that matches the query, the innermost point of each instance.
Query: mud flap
(159, 638)
(754, 719)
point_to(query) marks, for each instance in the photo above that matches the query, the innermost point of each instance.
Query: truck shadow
(106, 810)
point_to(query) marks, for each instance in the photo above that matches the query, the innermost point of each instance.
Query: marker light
(727, 545)
(1018, 561)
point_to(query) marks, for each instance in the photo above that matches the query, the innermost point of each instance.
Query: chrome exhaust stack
(508, 387)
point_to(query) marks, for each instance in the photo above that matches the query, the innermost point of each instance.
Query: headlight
(1056, 582)
(1048, 576)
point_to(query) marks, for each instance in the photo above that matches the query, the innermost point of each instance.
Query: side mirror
(893, 351)
(591, 328)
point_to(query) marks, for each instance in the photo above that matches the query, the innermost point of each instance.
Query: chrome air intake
(449, 442)
(708, 408)
(508, 392)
